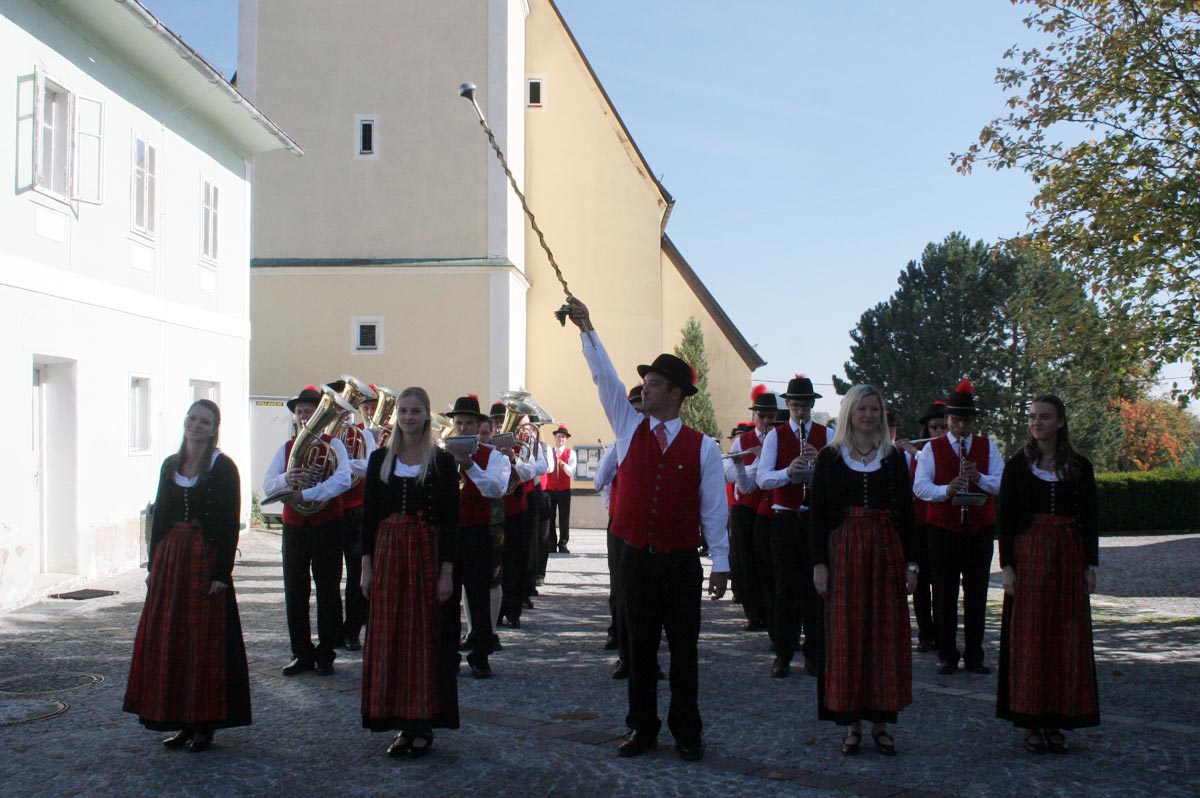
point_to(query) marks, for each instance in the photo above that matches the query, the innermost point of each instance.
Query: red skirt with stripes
(1047, 664)
(189, 661)
(866, 671)
(401, 652)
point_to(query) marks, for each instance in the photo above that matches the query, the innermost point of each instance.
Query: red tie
(660, 435)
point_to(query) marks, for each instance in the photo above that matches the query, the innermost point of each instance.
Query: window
(68, 142)
(145, 185)
(204, 389)
(533, 94)
(54, 137)
(366, 137)
(366, 334)
(208, 220)
(139, 415)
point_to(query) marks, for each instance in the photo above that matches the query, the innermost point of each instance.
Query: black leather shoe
(637, 743)
(924, 646)
(981, 669)
(479, 666)
(610, 643)
(533, 591)
(181, 738)
(324, 668)
(563, 549)
(353, 643)
(201, 742)
(526, 604)
(514, 622)
(400, 746)
(780, 668)
(689, 750)
(298, 665)
(947, 668)
(620, 669)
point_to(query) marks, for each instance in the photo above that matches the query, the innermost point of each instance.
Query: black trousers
(797, 606)
(356, 604)
(766, 569)
(619, 626)
(955, 553)
(316, 552)
(537, 501)
(473, 576)
(662, 593)
(514, 581)
(749, 580)
(925, 598)
(545, 533)
(560, 506)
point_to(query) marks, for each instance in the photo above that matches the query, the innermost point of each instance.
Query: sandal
(400, 746)
(884, 742)
(1056, 740)
(851, 742)
(417, 751)
(1036, 743)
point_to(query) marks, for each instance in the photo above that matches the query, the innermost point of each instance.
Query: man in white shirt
(559, 473)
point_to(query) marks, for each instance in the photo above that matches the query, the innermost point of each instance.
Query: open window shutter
(39, 115)
(89, 151)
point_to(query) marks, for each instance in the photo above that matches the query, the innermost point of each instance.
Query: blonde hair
(842, 435)
(396, 442)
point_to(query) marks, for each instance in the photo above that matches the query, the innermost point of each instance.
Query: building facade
(124, 275)
(396, 250)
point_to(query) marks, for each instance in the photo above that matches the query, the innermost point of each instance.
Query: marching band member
(1049, 549)
(670, 487)
(741, 472)
(960, 537)
(312, 544)
(925, 606)
(862, 536)
(485, 478)
(788, 452)
(410, 526)
(559, 475)
(520, 520)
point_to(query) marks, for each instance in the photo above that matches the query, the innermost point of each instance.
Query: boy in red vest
(560, 472)
(669, 496)
(960, 537)
(312, 544)
(740, 472)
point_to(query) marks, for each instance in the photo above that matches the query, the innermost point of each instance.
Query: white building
(124, 277)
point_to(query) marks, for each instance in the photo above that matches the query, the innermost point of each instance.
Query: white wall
(99, 303)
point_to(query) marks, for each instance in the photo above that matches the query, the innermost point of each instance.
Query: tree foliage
(1014, 323)
(1158, 434)
(1106, 119)
(697, 412)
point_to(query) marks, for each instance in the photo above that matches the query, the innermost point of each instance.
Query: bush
(1163, 500)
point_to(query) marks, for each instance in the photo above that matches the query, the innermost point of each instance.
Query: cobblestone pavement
(548, 722)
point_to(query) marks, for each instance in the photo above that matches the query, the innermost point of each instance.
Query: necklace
(860, 455)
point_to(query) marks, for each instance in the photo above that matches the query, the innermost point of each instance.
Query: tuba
(527, 437)
(313, 454)
(382, 420)
(342, 426)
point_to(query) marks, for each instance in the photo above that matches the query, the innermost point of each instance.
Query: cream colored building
(396, 250)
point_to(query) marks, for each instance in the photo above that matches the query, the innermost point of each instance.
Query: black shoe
(494, 644)
(533, 591)
(689, 750)
(400, 746)
(562, 549)
(417, 751)
(352, 643)
(810, 667)
(500, 621)
(981, 669)
(610, 643)
(526, 604)
(514, 622)
(780, 668)
(324, 668)
(637, 743)
(620, 669)
(947, 668)
(753, 626)
(479, 667)
(539, 582)
(201, 742)
(884, 742)
(181, 738)
(924, 646)
(298, 665)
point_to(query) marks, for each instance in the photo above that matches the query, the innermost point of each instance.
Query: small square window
(366, 334)
(534, 93)
(366, 137)
(366, 337)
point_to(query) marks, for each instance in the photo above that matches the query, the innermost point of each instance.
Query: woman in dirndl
(189, 671)
(1049, 550)
(863, 568)
(410, 521)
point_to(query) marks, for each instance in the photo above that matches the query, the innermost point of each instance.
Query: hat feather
(965, 387)
(757, 391)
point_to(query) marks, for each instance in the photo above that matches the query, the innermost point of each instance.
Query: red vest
(749, 440)
(557, 478)
(945, 468)
(332, 511)
(473, 508)
(787, 449)
(765, 500)
(354, 496)
(518, 501)
(657, 499)
(920, 506)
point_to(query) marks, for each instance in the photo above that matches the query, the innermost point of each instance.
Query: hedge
(1164, 500)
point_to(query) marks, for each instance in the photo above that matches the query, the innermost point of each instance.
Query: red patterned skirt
(405, 664)
(189, 660)
(1047, 666)
(866, 670)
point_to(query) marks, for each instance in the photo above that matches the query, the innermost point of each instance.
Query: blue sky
(807, 144)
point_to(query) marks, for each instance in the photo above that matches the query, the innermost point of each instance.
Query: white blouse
(875, 464)
(1045, 476)
(190, 482)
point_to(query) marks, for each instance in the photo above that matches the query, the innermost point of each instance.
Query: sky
(807, 145)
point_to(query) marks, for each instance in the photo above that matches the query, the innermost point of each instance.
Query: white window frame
(356, 324)
(205, 389)
(541, 81)
(89, 153)
(359, 153)
(140, 398)
(148, 227)
(210, 252)
(62, 137)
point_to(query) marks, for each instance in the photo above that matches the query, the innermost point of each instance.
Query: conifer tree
(697, 412)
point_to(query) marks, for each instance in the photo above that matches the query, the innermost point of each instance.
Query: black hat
(765, 403)
(466, 406)
(800, 387)
(562, 430)
(674, 369)
(310, 394)
(498, 409)
(936, 410)
(962, 401)
(741, 428)
(635, 394)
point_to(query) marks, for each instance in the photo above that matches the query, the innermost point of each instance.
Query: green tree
(697, 412)
(1105, 117)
